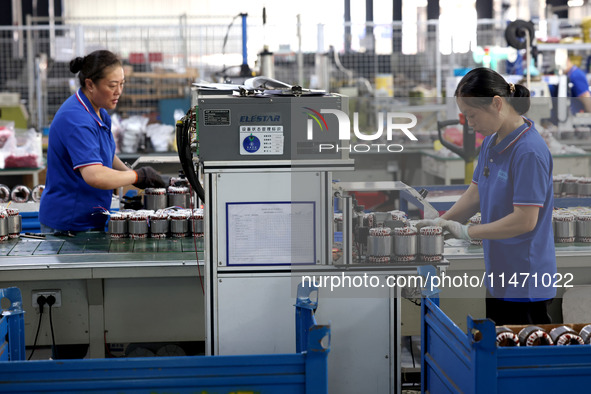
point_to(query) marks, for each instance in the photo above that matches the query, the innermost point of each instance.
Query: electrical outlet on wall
(46, 293)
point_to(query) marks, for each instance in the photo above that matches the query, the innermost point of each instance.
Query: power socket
(46, 293)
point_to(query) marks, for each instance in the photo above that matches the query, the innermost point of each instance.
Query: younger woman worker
(82, 169)
(512, 188)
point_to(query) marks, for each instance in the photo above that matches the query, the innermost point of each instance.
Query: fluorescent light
(575, 3)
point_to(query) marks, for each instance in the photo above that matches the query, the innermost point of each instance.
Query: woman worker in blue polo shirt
(512, 188)
(82, 169)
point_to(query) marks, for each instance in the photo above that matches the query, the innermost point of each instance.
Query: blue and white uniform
(578, 85)
(77, 138)
(518, 171)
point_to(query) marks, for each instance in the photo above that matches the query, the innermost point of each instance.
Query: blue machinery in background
(302, 372)
(244, 68)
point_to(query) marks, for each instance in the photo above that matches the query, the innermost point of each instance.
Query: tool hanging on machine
(520, 35)
(468, 151)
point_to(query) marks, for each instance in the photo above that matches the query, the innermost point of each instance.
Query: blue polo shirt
(520, 268)
(77, 138)
(577, 82)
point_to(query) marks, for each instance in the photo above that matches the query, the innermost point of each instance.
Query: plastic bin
(302, 372)
(454, 362)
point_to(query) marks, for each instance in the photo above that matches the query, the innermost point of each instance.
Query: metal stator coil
(570, 188)
(4, 193)
(379, 245)
(534, 336)
(583, 227)
(137, 225)
(37, 192)
(155, 198)
(585, 334)
(117, 226)
(564, 335)
(506, 337)
(584, 187)
(557, 186)
(369, 220)
(3, 225)
(405, 244)
(178, 196)
(159, 224)
(431, 243)
(476, 219)
(15, 223)
(179, 223)
(564, 227)
(197, 226)
(20, 193)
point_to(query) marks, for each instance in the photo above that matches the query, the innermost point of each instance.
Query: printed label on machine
(271, 233)
(216, 117)
(261, 140)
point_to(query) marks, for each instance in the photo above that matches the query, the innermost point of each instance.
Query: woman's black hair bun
(76, 64)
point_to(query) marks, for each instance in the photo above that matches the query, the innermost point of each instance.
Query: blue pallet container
(455, 362)
(12, 326)
(303, 372)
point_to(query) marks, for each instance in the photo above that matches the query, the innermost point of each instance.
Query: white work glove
(456, 229)
(429, 222)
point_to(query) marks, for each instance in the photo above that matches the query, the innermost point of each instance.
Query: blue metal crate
(302, 372)
(12, 326)
(454, 362)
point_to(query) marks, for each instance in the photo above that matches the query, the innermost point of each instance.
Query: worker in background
(578, 88)
(512, 188)
(82, 169)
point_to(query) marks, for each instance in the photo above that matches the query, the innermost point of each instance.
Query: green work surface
(91, 243)
(189, 244)
(97, 246)
(24, 248)
(6, 247)
(72, 247)
(170, 245)
(124, 245)
(48, 247)
(147, 245)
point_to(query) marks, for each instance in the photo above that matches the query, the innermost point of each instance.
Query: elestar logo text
(344, 124)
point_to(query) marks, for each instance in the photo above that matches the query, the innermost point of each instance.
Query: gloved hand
(148, 177)
(456, 229)
(429, 222)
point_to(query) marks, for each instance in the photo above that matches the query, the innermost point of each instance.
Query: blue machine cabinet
(454, 362)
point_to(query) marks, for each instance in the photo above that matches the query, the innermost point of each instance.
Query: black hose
(184, 150)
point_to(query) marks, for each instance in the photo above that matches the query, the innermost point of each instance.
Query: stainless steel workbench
(115, 291)
(124, 291)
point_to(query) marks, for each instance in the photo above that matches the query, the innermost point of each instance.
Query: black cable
(50, 301)
(41, 300)
(186, 157)
(228, 32)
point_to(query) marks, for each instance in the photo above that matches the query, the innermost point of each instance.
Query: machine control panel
(261, 140)
(234, 128)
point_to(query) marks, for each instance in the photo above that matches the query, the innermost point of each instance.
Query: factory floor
(411, 364)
